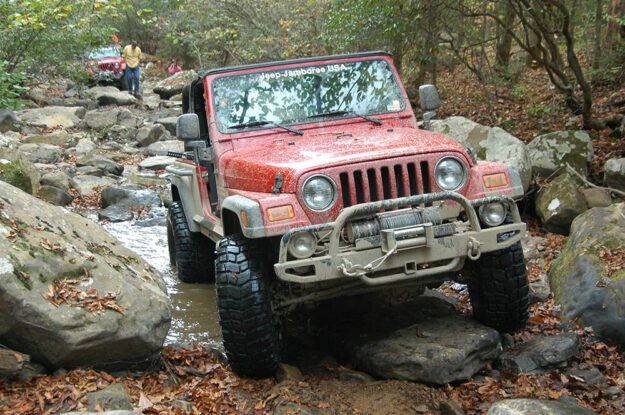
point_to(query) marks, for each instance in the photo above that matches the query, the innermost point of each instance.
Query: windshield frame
(117, 49)
(383, 58)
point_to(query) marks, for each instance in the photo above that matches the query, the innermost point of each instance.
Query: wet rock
(151, 134)
(108, 166)
(492, 144)
(85, 185)
(9, 121)
(614, 175)
(536, 407)
(64, 335)
(85, 146)
(119, 133)
(425, 341)
(113, 397)
(57, 179)
(160, 148)
(173, 85)
(579, 279)
(42, 153)
(559, 203)
(18, 171)
(57, 138)
(287, 373)
(55, 196)
(156, 162)
(596, 197)
(53, 116)
(539, 353)
(101, 118)
(550, 152)
(118, 202)
(109, 95)
(169, 123)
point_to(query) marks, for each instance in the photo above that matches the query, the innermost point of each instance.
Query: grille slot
(387, 182)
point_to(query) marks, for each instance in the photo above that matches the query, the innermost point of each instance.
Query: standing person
(174, 68)
(132, 55)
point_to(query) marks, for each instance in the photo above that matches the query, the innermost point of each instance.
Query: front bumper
(108, 76)
(390, 259)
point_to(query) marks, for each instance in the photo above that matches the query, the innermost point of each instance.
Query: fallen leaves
(49, 246)
(613, 260)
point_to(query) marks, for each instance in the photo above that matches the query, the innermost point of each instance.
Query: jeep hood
(254, 163)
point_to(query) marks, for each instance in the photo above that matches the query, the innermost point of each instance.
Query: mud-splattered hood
(254, 163)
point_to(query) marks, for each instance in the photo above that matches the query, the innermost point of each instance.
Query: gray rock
(286, 407)
(89, 171)
(450, 407)
(65, 335)
(558, 204)
(109, 95)
(113, 397)
(288, 373)
(127, 119)
(18, 171)
(57, 138)
(151, 134)
(120, 133)
(101, 118)
(612, 392)
(550, 152)
(100, 162)
(56, 179)
(539, 353)
(169, 123)
(42, 153)
(118, 202)
(166, 198)
(10, 140)
(156, 162)
(177, 98)
(539, 289)
(592, 375)
(85, 185)
(55, 196)
(614, 175)
(596, 197)
(9, 121)
(536, 407)
(85, 146)
(491, 144)
(579, 280)
(160, 148)
(54, 116)
(17, 365)
(174, 84)
(348, 375)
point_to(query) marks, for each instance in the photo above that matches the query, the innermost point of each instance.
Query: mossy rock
(18, 171)
(553, 151)
(558, 204)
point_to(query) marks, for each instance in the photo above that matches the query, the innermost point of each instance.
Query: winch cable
(355, 270)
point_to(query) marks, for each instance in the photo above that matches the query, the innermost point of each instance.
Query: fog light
(493, 214)
(302, 245)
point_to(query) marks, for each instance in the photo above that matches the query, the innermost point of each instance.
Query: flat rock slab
(87, 184)
(541, 352)
(156, 162)
(54, 116)
(536, 407)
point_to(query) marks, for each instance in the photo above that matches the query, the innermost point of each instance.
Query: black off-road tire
(499, 289)
(186, 92)
(192, 253)
(243, 299)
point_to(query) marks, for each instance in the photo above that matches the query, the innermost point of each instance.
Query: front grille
(386, 182)
(107, 66)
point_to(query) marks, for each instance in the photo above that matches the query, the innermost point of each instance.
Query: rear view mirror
(428, 98)
(188, 127)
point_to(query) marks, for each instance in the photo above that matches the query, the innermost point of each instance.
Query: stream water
(194, 316)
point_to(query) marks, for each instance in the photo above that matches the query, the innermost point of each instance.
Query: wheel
(186, 92)
(191, 252)
(499, 289)
(249, 333)
(123, 83)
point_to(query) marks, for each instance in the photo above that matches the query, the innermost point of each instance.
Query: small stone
(184, 405)
(536, 407)
(450, 407)
(507, 341)
(156, 162)
(288, 373)
(539, 353)
(596, 197)
(112, 397)
(592, 376)
(349, 375)
(612, 392)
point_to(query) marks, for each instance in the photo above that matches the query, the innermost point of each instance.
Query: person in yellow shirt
(132, 55)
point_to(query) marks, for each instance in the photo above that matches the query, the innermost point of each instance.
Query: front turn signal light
(276, 214)
(495, 180)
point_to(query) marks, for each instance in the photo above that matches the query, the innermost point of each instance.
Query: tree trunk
(615, 31)
(504, 37)
(596, 54)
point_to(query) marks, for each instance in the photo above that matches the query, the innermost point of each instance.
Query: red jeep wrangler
(311, 179)
(106, 64)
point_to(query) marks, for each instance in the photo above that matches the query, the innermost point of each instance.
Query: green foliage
(11, 86)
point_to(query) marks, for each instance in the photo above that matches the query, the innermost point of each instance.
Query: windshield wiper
(343, 112)
(260, 123)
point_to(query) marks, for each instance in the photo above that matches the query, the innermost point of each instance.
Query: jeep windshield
(107, 52)
(305, 94)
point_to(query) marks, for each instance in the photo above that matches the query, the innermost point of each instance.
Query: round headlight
(302, 245)
(319, 193)
(117, 64)
(450, 174)
(493, 214)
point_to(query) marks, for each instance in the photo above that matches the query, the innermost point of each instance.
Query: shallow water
(194, 316)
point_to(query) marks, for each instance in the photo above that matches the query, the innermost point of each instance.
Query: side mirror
(428, 98)
(188, 127)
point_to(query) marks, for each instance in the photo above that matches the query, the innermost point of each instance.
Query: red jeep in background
(310, 179)
(106, 64)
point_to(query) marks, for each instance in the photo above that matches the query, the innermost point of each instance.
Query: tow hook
(473, 249)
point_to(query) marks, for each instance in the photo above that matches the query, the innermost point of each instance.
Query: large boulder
(87, 184)
(558, 203)
(151, 134)
(109, 95)
(18, 171)
(491, 144)
(9, 121)
(54, 195)
(169, 123)
(71, 295)
(553, 151)
(54, 116)
(85, 146)
(161, 148)
(42, 153)
(57, 138)
(540, 353)
(536, 407)
(58, 179)
(107, 166)
(118, 203)
(101, 118)
(584, 278)
(427, 342)
(614, 175)
(173, 85)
